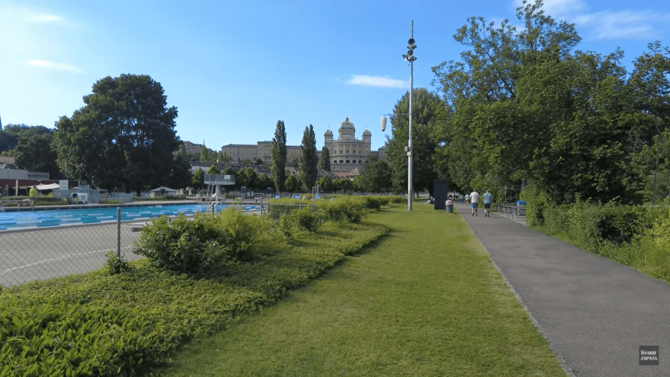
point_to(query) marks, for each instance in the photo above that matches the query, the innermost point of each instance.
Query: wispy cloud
(378, 81)
(42, 18)
(560, 8)
(608, 24)
(623, 24)
(51, 65)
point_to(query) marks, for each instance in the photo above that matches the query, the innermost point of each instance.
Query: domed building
(347, 153)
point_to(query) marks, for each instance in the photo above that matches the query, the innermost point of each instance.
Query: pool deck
(141, 203)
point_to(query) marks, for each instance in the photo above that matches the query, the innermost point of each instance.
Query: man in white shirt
(474, 200)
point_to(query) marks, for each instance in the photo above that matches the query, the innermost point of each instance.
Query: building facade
(262, 150)
(192, 148)
(347, 153)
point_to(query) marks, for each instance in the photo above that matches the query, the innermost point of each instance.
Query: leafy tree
(427, 111)
(278, 153)
(228, 171)
(292, 184)
(523, 106)
(309, 161)
(35, 154)
(324, 160)
(357, 184)
(180, 175)
(223, 157)
(123, 137)
(11, 135)
(213, 170)
(207, 154)
(240, 178)
(295, 160)
(343, 184)
(258, 161)
(376, 175)
(251, 177)
(247, 162)
(198, 179)
(325, 184)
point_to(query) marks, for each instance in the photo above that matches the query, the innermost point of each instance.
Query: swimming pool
(49, 218)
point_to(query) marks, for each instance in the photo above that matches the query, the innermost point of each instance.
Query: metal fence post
(118, 232)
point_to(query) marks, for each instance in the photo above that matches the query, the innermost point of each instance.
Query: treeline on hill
(587, 138)
(31, 148)
(199, 277)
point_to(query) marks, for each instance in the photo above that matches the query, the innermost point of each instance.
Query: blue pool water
(47, 218)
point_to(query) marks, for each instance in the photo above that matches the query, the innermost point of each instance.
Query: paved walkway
(595, 313)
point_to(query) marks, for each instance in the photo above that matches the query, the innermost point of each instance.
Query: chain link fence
(38, 254)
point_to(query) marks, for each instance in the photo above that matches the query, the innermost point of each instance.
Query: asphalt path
(47, 253)
(594, 313)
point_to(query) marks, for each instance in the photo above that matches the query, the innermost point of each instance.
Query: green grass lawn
(424, 301)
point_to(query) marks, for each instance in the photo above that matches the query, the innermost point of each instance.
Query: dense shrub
(60, 339)
(309, 219)
(198, 243)
(636, 236)
(116, 264)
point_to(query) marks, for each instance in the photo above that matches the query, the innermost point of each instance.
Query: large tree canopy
(427, 111)
(376, 175)
(35, 154)
(123, 137)
(12, 134)
(525, 106)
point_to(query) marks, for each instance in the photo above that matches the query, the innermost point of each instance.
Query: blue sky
(233, 68)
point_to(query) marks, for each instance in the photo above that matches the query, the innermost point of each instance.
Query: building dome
(367, 132)
(346, 125)
(329, 132)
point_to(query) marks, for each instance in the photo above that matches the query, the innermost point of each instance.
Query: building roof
(240, 145)
(346, 125)
(163, 189)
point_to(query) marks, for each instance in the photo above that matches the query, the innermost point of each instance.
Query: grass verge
(424, 301)
(98, 324)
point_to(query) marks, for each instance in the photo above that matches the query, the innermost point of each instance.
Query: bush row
(127, 324)
(634, 235)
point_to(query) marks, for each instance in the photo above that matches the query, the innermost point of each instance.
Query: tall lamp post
(410, 58)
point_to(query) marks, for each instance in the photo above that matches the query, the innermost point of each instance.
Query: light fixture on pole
(410, 58)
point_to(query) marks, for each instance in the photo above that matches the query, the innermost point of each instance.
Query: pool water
(50, 218)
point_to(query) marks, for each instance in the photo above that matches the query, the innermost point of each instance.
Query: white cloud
(378, 81)
(623, 24)
(44, 18)
(51, 65)
(559, 8)
(608, 24)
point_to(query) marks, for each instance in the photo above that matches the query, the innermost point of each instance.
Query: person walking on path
(487, 203)
(474, 200)
(467, 198)
(461, 198)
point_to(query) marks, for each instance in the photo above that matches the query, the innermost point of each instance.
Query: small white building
(162, 191)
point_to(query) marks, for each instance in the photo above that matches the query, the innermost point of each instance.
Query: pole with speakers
(410, 58)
